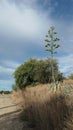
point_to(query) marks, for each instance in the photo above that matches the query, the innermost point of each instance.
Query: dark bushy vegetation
(36, 71)
(5, 92)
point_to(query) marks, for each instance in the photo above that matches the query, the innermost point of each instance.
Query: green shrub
(35, 71)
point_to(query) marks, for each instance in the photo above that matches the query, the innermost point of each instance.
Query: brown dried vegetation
(44, 109)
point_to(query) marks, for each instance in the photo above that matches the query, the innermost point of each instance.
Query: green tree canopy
(35, 71)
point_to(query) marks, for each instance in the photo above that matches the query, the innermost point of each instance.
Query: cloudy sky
(23, 26)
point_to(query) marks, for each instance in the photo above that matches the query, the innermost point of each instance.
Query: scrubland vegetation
(44, 109)
(49, 104)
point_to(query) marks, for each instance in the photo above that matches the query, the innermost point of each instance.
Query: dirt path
(9, 114)
(7, 105)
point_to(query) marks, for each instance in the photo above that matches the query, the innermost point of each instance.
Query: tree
(51, 47)
(43, 70)
(71, 76)
(33, 72)
(24, 73)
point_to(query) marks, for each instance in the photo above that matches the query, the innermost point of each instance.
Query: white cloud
(26, 22)
(21, 29)
(4, 70)
(66, 64)
(9, 64)
(8, 67)
(26, 2)
(66, 35)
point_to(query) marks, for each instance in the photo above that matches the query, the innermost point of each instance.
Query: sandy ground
(9, 114)
(7, 105)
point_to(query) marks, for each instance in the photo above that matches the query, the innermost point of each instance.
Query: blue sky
(23, 26)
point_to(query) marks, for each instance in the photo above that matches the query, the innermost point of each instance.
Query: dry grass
(44, 109)
(17, 98)
(21, 96)
(51, 114)
(68, 81)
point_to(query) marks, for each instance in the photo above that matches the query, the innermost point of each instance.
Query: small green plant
(67, 89)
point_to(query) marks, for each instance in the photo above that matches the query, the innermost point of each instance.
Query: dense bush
(36, 71)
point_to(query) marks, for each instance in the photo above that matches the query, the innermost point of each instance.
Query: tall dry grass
(46, 110)
(68, 81)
